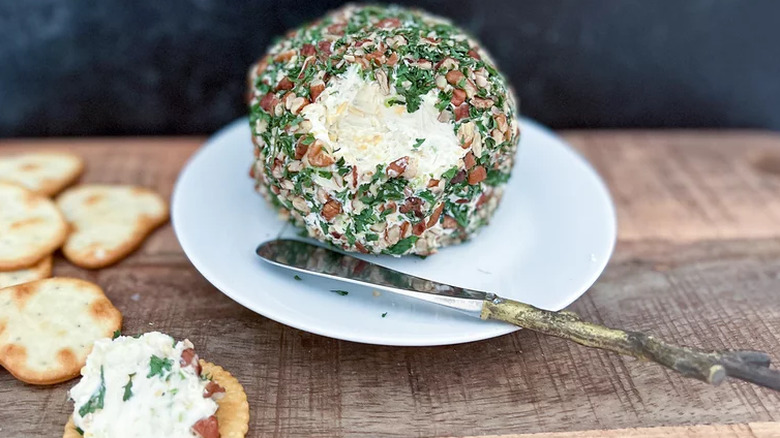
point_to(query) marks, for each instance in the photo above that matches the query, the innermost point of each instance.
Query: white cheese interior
(166, 405)
(352, 118)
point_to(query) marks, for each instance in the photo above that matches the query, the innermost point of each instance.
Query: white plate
(548, 242)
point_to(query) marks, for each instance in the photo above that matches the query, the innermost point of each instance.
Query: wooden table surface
(697, 261)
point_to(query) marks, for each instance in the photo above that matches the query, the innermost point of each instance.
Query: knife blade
(705, 365)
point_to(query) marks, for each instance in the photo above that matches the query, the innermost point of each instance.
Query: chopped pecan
(462, 111)
(300, 148)
(482, 200)
(459, 177)
(285, 84)
(477, 175)
(404, 229)
(481, 103)
(434, 219)
(336, 29)
(317, 155)
(315, 89)
(331, 209)
(268, 101)
(308, 50)
(324, 47)
(354, 176)
(473, 53)
(284, 56)
(458, 97)
(397, 167)
(433, 183)
(361, 249)
(388, 23)
(454, 76)
(418, 228)
(392, 59)
(449, 222)
(469, 160)
(501, 122)
(413, 204)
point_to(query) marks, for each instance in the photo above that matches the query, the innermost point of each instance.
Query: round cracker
(232, 413)
(38, 271)
(48, 327)
(45, 173)
(31, 227)
(109, 222)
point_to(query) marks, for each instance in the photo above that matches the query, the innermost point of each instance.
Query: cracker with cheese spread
(151, 385)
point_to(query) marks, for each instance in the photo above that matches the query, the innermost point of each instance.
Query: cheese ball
(382, 130)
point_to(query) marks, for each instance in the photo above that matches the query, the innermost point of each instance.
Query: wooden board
(698, 261)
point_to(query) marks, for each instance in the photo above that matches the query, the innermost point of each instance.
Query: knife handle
(708, 366)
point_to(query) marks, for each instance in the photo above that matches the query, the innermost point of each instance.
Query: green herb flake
(384, 314)
(128, 388)
(402, 246)
(117, 333)
(96, 401)
(340, 292)
(158, 366)
(297, 278)
(418, 142)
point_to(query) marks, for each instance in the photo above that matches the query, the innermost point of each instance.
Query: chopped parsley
(96, 401)
(158, 366)
(128, 388)
(340, 292)
(297, 277)
(418, 142)
(117, 333)
(402, 246)
(384, 314)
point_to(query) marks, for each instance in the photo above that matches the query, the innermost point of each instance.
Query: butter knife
(705, 365)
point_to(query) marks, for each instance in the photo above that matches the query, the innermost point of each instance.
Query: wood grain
(698, 261)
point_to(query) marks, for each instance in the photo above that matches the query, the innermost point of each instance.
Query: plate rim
(366, 338)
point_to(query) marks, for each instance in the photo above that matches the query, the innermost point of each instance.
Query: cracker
(233, 411)
(47, 327)
(109, 221)
(45, 173)
(31, 227)
(38, 271)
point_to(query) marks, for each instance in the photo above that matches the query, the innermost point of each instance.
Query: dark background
(177, 67)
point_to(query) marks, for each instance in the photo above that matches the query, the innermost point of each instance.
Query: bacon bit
(454, 76)
(449, 222)
(462, 201)
(207, 427)
(361, 248)
(482, 200)
(331, 209)
(469, 160)
(404, 229)
(434, 219)
(433, 183)
(418, 228)
(211, 389)
(481, 103)
(188, 357)
(324, 47)
(316, 90)
(397, 167)
(268, 101)
(284, 56)
(336, 29)
(354, 176)
(392, 59)
(477, 175)
(317, 156)
(300, 149)
(458, 97)
(459, 177)
(389, 23)
(473, 53)
(285, 84)
(462, 111)
(413, 204)
(308, 50)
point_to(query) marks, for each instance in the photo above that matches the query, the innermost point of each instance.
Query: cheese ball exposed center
(355, 119)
